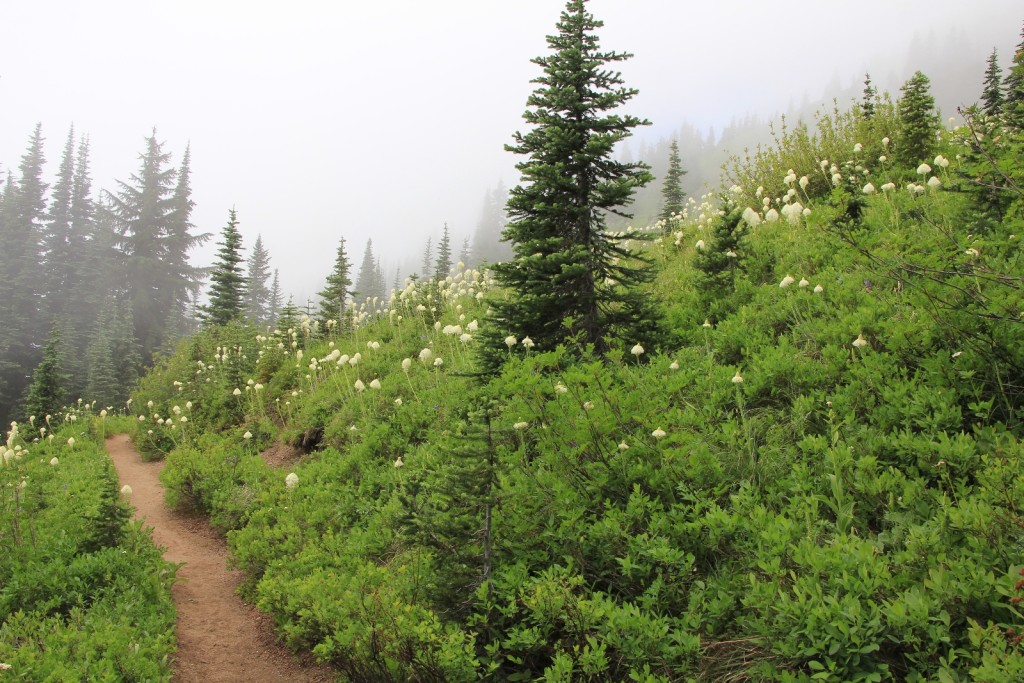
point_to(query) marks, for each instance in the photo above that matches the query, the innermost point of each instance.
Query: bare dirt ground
(281, 455)
(220, 638)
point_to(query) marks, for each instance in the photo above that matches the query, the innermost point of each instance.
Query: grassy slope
(847, 513)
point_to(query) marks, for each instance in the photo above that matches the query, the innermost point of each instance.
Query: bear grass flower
(623, 446)
(803, 282)
(247, 435)
(520, 426)
(292, 480)
(527, 343)
(637, 350)
(359, 386)
(934, 182)
(71, 441)
(426, 354)
(860, 342)
(54, 462)
(658, 433)
(375, 384)
(674, 365)
(924, 169)
(786, 281)
(399, 463)
(737, 378)
(126, 491)
(510, 341)
(237, 392)
(406, 364)
(868, 189)
(818, 289)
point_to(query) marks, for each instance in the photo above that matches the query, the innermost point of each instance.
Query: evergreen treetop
(1013, 87)
(918, 122)
(992, 93)
(443, 264)
(335, 294)
(257, 294)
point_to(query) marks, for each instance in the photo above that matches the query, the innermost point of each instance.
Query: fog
(385, 120)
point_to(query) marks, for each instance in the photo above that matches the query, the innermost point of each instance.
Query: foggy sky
(387, 119)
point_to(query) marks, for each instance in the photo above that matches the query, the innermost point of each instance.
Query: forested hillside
(775, 435)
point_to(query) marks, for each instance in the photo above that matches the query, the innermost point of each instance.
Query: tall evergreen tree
(571, 278)
(672, 189)
(867, 104)
(22, 324)
(367, 281)
(257, 293)
(59, 245)
(465, 253)
(428, 257)
(443, 264)
(488, 246)
(1013, 87)
(184, 279)
(227, 279)
(274, 300)
(141, 212)
(48, 391)
(918, 122)
(334, 295)
(992, 92)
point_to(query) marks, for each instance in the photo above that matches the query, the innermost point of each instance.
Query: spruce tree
(22, 323)
(59, 245)
(288, 318)
(227, 279)
(992, 92)
(571, 278)
(443, 264)
(274, 300)
(257, 293)
(428, 256)
(465, 253)
(917, 121)
(48, 391)
(141, 213)
(488, 246)
(367, 280)
(184, 280)
(672, 189)
(334, 295)
(1013, 88)
(867, 105)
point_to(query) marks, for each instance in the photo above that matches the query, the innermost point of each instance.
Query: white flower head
(237, 392)
(637, 350)
(623, 446)
(359, 386)
(292, 480)
(71, 441)
(700, 245)
(857, 148)
(818, 289)
(924, 169)
(869, 189)
(247, 435)
(561, 388)
(674, 365)
(54, 461)
(426, 354)
(934, 182)
(375, 384)
(658, 433)
(860, 342)
(803, 282)
(737, 378)
(520, 426)
(510, 341)
(527, 342)
(438, 362)
(786, 281)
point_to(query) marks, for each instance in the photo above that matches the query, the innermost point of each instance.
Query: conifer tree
(59, 245)
(22, 217)
(367, 280)
(274, 300)
(428, 256)
(443, 264)
(141, 214)
(48, 391)
(672, 189)
(465, 253)
(334, 295)
(567, 267)
(918, 122)
(867, 105)
(288, 318)
(257, 293)
(184, 280)
(1013, 88)
(992, 93)
(720, 260)
(488, 246)
(227, 280)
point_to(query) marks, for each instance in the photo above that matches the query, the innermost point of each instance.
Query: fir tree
(141, 214)
(274, 300)
(288, 318)
(918, 122)
(488, 246)
(672, 189)
(227, 280)
(257, 293)
(22, 218)
(720, 260)
(443, 264)
(59, 244)
(465, 253)
(428, 255)
(992, 93)
(1013, 88)
(334, 295)
(184, 280)
(570, 277)
(367, 280)
(867, 104)
(48, 391)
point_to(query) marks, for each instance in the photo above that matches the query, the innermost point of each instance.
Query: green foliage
(992, 90)
(85, 595)
(335, 294)
(570, 278)
(227, 281)
(671, 189)
(48, 392)
(918, 122)
(257, 303)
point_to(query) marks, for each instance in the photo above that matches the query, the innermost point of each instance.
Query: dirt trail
(220, 638)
